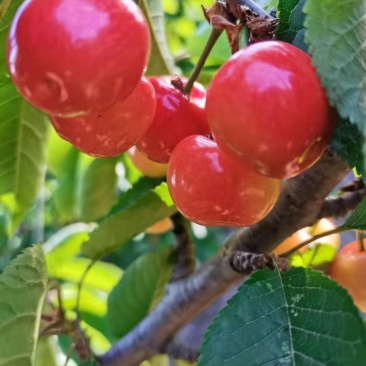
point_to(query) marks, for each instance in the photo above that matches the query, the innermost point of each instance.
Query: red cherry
(111, 131)
(211, 189)
(349, 270)
(266, 106)
(69, 57)
(176, 117)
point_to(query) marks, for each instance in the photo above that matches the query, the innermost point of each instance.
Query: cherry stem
(315, 237)
(359, 236)
(214, 36)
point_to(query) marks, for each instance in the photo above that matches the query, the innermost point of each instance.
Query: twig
(247, 263)
(340, 206)
(185, 262)
(313, 238)
(214, 36)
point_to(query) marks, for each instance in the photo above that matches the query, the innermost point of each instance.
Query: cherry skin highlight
(111, 131)
(68, 57)
(349, 270)
(211, 189)
(266, 106)
(176, 117)
(145, 165)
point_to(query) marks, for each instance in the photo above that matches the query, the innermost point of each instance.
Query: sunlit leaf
(136, 210)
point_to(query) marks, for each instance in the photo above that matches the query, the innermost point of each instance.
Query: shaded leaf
(347, 142)
(89, 363)
(299, 317)
(23, 131)
(65, 196)
(291, 27)
(284, 9)
(98, 189)
(161, 62)
(22, 288)
(141, 286)
(336, 39)
(136, 210)
(357, 220)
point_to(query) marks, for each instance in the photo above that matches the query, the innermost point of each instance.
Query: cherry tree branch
(299, 205)
(340, 206)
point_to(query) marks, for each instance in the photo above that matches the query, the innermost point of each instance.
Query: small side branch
(247, 263)
(340, 206)
(185, 262)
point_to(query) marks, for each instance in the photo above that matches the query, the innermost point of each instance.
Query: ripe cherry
(211, 189)
(160, 227)
(67, 57)
(145, 165)
(266, 106)
(114, 130)
(349, 270)
(176, 117)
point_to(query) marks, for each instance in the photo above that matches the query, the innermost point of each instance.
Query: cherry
(160, 227)
(211, 189)
(349, 270)
(145, 165)
(114, 130)
(266, 106)
(176, 117)
(67, 57)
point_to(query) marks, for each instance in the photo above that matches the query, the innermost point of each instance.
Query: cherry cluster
(265, 116)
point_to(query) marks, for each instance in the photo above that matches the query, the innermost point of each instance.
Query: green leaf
(22, 288)
(136, 210)
(98, 189)
(357, 220)
(66, 243)
(65, 196)
(347, 142)
(299, 317)
(7, 12)
(219, 54)
(45, 355)
(102, 276)
(284, 10)
(23, 132)
(92, 300)
(161, 62)
(336, 39)
(314, 256)
(291, 27)
(89, 363)
(141, 286)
